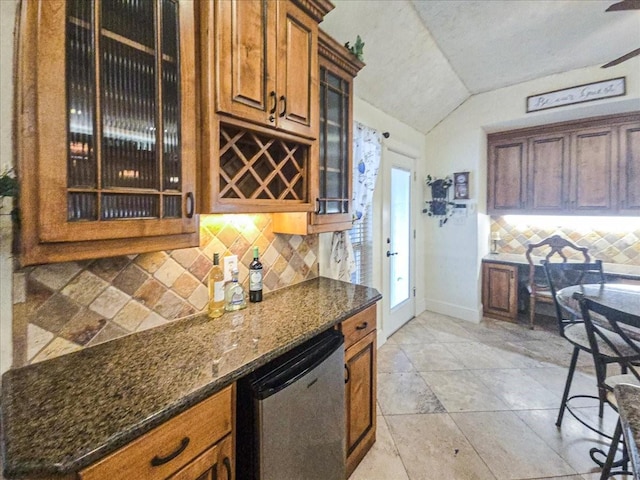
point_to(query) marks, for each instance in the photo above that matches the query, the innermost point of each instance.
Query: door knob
(389, 254)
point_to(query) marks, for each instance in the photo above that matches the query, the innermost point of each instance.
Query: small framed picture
(461, 186)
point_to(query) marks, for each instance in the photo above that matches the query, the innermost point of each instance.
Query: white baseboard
(456, 311)
(421, 306)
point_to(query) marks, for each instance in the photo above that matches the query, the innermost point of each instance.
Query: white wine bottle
(234, 294)
(216, 288)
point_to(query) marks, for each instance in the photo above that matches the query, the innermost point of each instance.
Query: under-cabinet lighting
(579, 224)
(242, 222)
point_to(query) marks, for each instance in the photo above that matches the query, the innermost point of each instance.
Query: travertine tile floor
(463, 401)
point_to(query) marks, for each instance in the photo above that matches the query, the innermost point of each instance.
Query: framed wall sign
(461, 186)
(588, 92)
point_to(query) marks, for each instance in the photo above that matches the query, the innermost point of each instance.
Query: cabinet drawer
(172, 445)
(358, 326)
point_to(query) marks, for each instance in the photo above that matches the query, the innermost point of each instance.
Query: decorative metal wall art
(439, 206)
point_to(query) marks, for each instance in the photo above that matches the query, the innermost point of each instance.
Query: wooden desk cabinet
(197, 444)
(500, 291)
(360, 396)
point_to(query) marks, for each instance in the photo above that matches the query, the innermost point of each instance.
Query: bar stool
(602, 323)
(570, 324)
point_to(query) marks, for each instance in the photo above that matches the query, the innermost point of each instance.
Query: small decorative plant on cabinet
(439, 206)
(9, 188)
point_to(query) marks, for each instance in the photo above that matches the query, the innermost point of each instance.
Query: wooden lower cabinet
(500, 291)
(360, 383)
(194, 445)
(213, 464)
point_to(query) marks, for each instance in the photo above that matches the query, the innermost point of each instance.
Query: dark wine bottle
(255, 278)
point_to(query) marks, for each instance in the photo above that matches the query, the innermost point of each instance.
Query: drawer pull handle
(157, 461)
(283, 99)
(275, 105)
(191, 205)
(362, 326)
(346, 367)
(227, 465)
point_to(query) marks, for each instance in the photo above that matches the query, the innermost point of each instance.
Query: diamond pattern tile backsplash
(620, 247)
(63, 307)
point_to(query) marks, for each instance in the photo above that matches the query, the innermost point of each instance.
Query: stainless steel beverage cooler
(291, 415)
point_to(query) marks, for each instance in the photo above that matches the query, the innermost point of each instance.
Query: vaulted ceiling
(426, 57)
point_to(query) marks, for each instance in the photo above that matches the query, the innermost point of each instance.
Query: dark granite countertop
(628, 398)
(622, 271)
(63, 414)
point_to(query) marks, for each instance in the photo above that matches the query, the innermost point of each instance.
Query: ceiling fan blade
(624, 5)
(623, 58)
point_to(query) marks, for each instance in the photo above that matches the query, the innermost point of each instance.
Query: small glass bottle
(255, 278)
(234, 294)
(216, 288)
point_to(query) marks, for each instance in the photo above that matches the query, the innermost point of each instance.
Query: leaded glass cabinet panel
(113, 98)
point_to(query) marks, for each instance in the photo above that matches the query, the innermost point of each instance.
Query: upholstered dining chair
(601, 322)
(570, 323)
(548, 249)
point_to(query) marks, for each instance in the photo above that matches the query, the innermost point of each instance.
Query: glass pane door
(399, 245)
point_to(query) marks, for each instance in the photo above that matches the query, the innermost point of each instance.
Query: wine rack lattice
(256, 166)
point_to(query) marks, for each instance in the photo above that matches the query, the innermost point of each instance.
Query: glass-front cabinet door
(338, 67)
(331, 179)
(114, 107)
(335, 191)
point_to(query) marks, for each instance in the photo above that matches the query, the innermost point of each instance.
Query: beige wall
(453, 255)
(8, 9)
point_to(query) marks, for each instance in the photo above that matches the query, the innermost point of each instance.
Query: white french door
(398, 240)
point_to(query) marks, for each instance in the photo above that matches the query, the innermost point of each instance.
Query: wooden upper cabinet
(106, 128)
(332, 188)
(297, 71)
(629, 168)
(593, 170)
(507, 171)
(588, 167)
(259, 105)
(267, 58)
(245, 49)
(548, 162)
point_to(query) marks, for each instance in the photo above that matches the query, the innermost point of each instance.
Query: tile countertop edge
(222, 371)
(631, 272)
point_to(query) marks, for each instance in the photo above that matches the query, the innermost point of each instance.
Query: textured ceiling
(426, 57)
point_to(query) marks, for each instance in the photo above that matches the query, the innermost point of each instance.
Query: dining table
(623, 298)
(619, 296)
